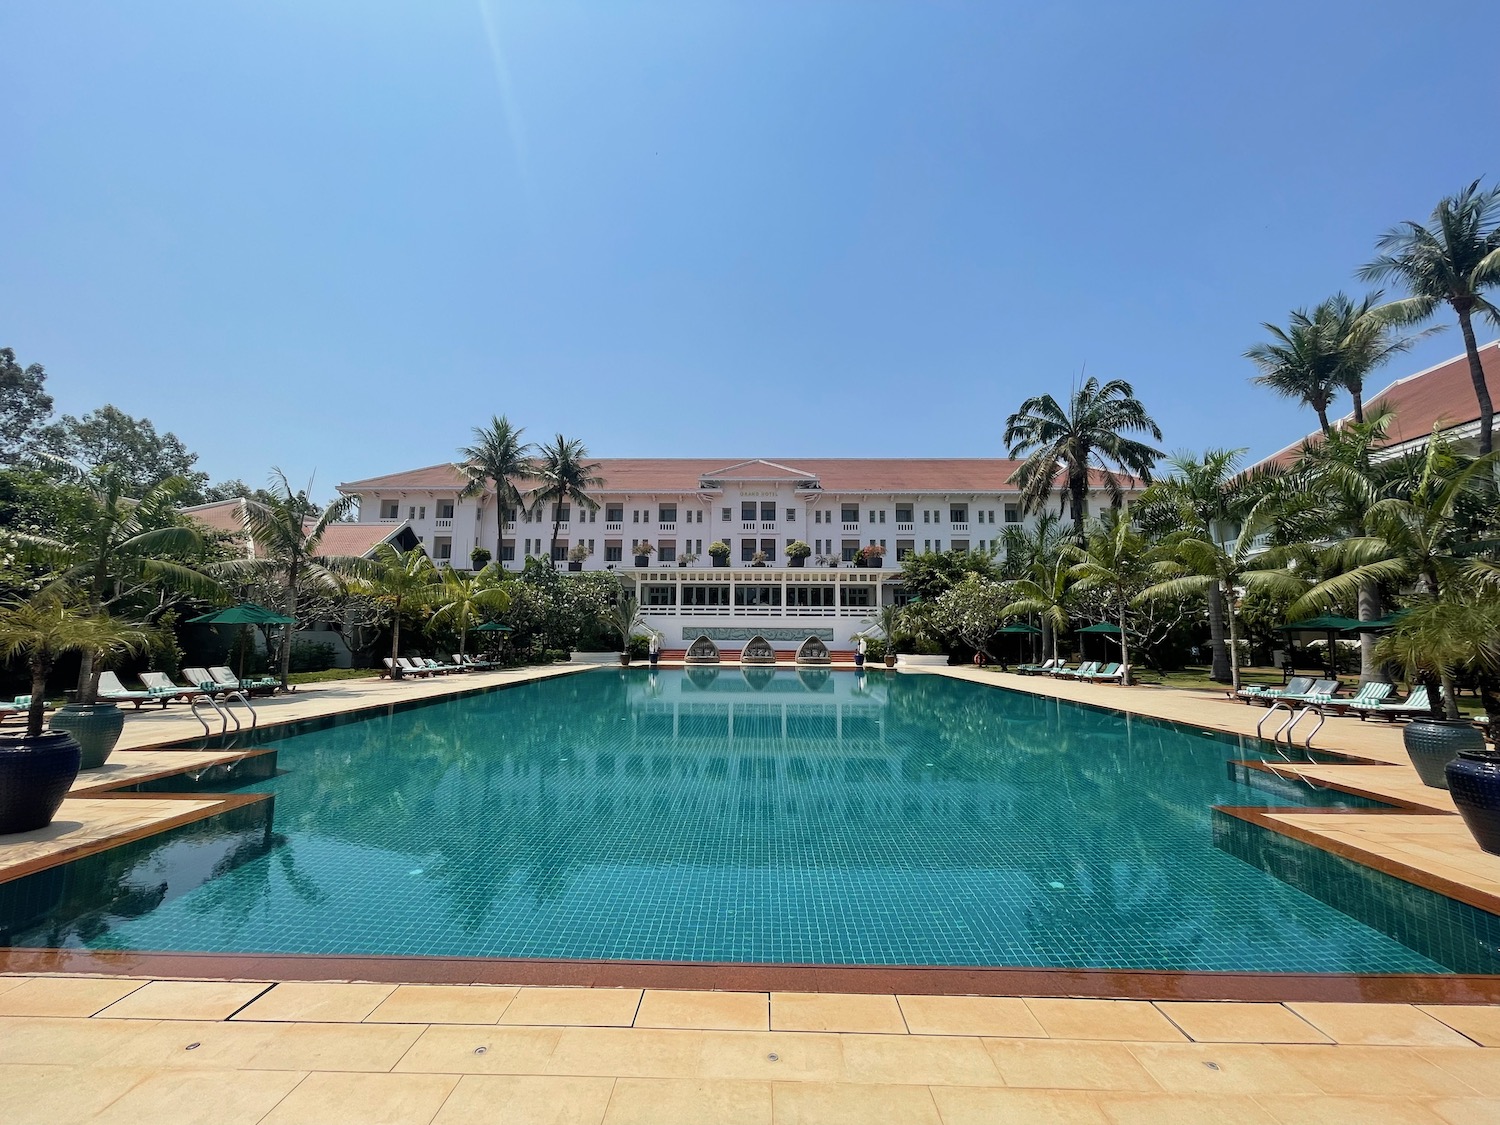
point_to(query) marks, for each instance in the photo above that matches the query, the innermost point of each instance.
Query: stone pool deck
(108, 1050)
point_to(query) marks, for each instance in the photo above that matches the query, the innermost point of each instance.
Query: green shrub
(311, 656)
(640, 647)
(555, 656)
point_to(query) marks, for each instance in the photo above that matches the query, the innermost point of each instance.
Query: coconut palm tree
(498, 456)
(128, 544)
(1438, 636)
(1452, 260)
(288, 531)
(1298, 362)
(464, 597)
(397, 580)
(1116, 561)
(1090, 434)
(45, 627)
(1047, 592)
(565, 474)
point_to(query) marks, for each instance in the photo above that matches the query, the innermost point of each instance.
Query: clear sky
(333, 235)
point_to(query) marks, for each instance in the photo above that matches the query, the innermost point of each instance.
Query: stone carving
(813, 651)
(733, 633)
(758, 651)
(702, 651)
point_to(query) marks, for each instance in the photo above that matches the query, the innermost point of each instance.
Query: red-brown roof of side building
(834, 474)
(355, 540)
(1441, 395)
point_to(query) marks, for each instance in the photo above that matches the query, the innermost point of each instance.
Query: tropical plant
(872, 552)
(797, 550)
(122, 546)
(1438, 637)
(719, 549)
(288, 540)
(1116, 561)
(564, 474)
(463, 598)
(972, 611)
(1452, 260)
(45, 627)
(497, 456)
(579, 553)
(396, 581)
(1046, 591)
(623, 617)
(479, 558)
(1332, 348)
(1091, 434)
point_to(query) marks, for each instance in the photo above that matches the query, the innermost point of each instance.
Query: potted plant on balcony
(830, 561)
(718, 550)
(37, 766)
(796, 553)
(479, 558)
(758, 559)
(870, 556)
(642, 551)
(577, 556)
(687, 560)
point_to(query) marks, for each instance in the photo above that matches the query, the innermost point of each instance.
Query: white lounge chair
(162, 684)
(111, 690)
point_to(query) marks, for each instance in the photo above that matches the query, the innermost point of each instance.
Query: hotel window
(561, 512)
(872, 515)
(810, 596)
(960, 544)
(937, 545)
(613, 552)
(442, 549)
(422, 512)
(926, 516)
(726, 514)
(791, 515)
(903, 515)
(958, 513)
(705, 595)
(850, 549)
(768, 548)
(390, 510)
(661, 595)
(615, 513)
(851, 513)
(747, 510)
(926, 544)
(905, 548)
(768, 511)
(666, 550)
(667, 513)
(411, 512)
(882, 515)
(1012, 514)
(757, 595)
(857, 596)
(445, 509)
(560, 551)
(747, 550)
(508, 551)
(817, 515)
(635, 515)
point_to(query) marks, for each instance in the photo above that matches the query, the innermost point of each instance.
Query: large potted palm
(97, 726)
(624, 618)
(37, 766)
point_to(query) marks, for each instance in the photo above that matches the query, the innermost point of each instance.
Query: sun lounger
(438, 666)
(20, 706)
(1083, 671)
(206, 683)
(1037, 669)
(1106, 673)
(264, 685)
(1418, 703)
(1295, 686)
(162, 684)
(1371, 694)
(111, 690)
(411, 667)
(474, 663)
(1298, 706)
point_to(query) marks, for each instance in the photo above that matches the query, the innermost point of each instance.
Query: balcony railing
(904, 527)
(614, 525)
(851, 527)
(441, 523)
(960, 525)
(390, 519)
(666, 525)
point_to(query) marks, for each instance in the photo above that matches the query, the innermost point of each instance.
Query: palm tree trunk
(36, 714)
(1323, 420)
(556, 524)
(1124, 648)
(1481, 390)
(1218, 653)
(1370, 671)
(1357, 394)
(1077, 492)
(396, 633)
(286, 636)
(500, 525)
(1234, 641)
(1450, 694)
(88, 681)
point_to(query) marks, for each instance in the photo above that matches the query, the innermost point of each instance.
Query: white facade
(758, 507)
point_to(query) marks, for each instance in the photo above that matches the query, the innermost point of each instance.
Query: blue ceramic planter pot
(34, 777)
(1474, 781)
(96, 726)
(1433, 743)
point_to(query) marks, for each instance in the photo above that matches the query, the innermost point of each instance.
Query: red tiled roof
(836, 474)
(222, 515)
(1440, 395)
(356, 539)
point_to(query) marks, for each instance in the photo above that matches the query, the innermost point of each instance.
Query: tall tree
(1452, 260)
(129, 448)
(500, 458)
(564, 474)
(25, 406)
(1047, 592)
(1298, 362)
(397, 581)
(464, 597)
(1116, 561)
(288, 535)
(1091, 434)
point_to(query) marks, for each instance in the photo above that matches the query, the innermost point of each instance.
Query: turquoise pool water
(759, 815)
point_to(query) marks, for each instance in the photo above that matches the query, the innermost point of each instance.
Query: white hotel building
(758, 507)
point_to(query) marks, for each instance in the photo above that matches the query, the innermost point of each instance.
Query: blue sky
(333, 235)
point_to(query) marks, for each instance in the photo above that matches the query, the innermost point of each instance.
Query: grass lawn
(333, 674)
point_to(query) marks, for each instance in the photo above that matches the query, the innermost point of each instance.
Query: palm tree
(1047, 592)
(45, 627)
(396, 580)
(1089, 434)
(565, 474)
(1452, 261)
(623, 616)
(464, 597)
(1298, 363)
(1116, 561)
(497, 455)
(1438, 636)
(129, 543)
(288, 534)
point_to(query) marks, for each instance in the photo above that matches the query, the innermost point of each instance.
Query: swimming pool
(759, 815)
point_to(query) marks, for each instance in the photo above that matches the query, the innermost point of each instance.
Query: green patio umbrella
(1331, 625)
(246, 613)
(1020, 629)
(1101, 627)
(1381, 624)
(493, 627)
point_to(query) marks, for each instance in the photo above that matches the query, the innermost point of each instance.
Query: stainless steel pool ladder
(225, 712)
(1294, 716)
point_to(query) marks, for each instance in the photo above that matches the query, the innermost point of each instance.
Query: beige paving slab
(818, 1011)
(1374, 1071)
(1480, 1023)
(35, 1094)
(1466, 1111)
(1478, 1070)
(1002, 1016)
(588, 1007)
(918, 1059)
(201, 1097)
(1185, 1109)
(65, 996)
(1206, 1022)
(799, 1103)
(771, 1056)
(263, 1046)
(443, 1003)
(619, 1052)
(462, 1049)
(370, 1099)
(1395, 1025)
(1224, 1068)
(961, 1105)
(1349, 1111)
(128, 765)
(1051, 1065)
(70, 1042)
(1135, 1021)
(661, 1101)
(315, 1002)
(184, 1000)
(9, 982)
(495, 1099)
(715, 1011)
